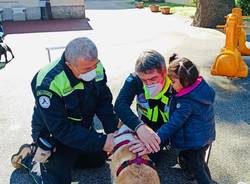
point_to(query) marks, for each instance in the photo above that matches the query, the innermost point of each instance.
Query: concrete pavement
(121, 34)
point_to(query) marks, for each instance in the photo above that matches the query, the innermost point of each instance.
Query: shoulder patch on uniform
(44, 101)
(43, 92)
(130, 78)
(178, 105)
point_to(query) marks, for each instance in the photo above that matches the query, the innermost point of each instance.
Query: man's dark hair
(150, 60)
(183, 69)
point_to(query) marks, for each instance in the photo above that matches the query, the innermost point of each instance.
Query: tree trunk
(210, 13)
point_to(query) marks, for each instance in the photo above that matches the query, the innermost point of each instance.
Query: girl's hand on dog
(137, 146)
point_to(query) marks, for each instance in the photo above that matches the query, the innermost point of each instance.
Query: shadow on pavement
(46, 26)
(232, 96)
(102, 175)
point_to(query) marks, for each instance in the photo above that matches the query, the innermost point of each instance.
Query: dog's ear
(120, 123)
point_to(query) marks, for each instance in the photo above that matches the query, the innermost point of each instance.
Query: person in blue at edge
(68, 93)
(191, 127)
(1, 31)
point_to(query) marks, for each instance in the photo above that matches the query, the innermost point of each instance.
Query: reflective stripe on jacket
(65, 106)
(153, 112)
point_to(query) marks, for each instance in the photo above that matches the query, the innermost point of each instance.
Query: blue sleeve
(124, 101)
(55, 118)
(1, 30)
(180, 114)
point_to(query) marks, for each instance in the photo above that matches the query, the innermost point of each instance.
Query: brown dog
(126, 167)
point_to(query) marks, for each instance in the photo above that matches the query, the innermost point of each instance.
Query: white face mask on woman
(154, 89)
(88, 76)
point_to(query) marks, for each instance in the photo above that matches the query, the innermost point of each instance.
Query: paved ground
(121, 34)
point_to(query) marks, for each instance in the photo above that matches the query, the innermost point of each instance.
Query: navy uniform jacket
(65, 107)
(191, 124)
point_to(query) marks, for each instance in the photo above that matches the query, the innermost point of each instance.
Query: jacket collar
(73, 80)
(188, 89)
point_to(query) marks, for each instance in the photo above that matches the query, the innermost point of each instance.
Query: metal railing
(49, 49)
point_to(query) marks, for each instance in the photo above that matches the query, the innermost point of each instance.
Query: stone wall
(65, 9)
(68, 12)
(67, 2)
(18, 3)
(19, 10)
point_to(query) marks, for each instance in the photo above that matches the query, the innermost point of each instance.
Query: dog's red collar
(138, 160)
(120, 145)
(125, 132)
(123, 142)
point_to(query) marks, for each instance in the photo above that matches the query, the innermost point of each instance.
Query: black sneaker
(24, 158)
(187, 173)
(24, 151)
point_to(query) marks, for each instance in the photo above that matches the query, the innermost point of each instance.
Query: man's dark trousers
(58, 169)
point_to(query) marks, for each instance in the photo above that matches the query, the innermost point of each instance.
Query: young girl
(191, 127)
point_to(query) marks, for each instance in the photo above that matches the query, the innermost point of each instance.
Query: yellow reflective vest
(155, 111)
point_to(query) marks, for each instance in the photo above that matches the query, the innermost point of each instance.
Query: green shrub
(245, 6)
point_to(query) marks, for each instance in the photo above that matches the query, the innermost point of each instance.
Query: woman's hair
(182, 69)
(150, 60)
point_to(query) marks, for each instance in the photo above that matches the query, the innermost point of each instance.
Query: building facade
(20, 10)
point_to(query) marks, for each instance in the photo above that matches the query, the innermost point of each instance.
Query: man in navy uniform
(68, 93)
(150, 86)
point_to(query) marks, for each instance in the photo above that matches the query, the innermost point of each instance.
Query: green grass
(171, 5)
(247, 19)
(178, 9)
(184, 11)
(147, 4)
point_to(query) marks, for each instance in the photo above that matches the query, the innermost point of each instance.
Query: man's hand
(41, 155)
(150, 139)
(109, 144)
(137, 146)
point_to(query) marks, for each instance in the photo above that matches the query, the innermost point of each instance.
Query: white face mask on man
(88, 76)
(154, 89)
